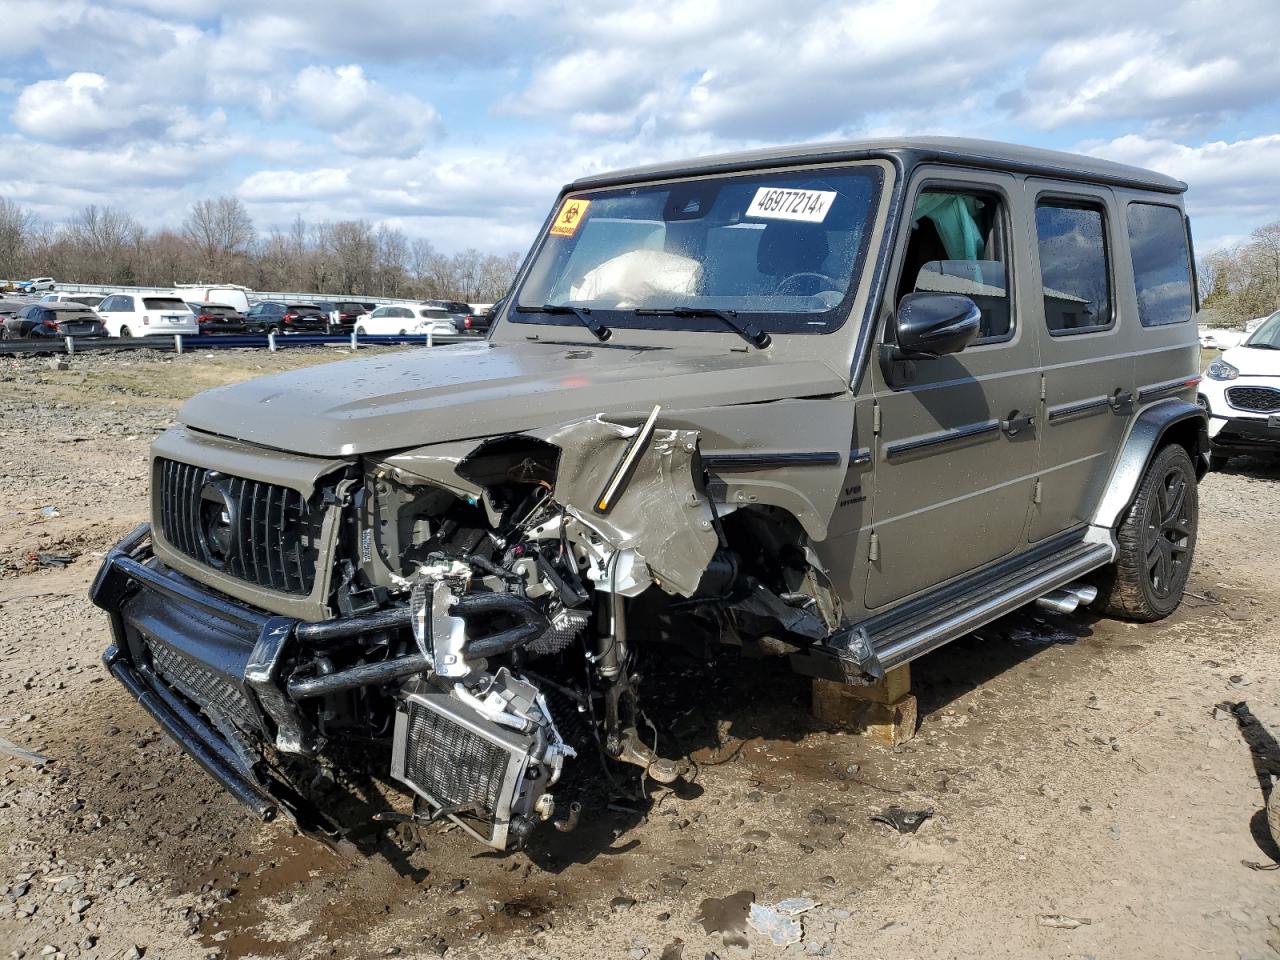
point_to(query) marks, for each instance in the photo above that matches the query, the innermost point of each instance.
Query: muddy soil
(1096, 786)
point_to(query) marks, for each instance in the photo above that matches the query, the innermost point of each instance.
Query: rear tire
(360, 332)
(125, 333)
(1273, 814)
(1157, 541)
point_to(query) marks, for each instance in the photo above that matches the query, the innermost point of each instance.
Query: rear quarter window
(1161, 264)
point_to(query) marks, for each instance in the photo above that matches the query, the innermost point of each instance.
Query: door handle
(1120, 398)
(1014, 424)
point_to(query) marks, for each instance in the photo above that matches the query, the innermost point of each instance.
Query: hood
(1252, 362)
(437, 394)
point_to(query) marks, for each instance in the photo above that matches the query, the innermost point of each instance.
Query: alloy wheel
(1168, 533)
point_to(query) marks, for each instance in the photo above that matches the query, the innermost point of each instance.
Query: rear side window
(957, 245)
(1074, 267)
(1161, 264)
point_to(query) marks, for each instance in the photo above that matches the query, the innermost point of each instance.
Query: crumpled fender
(662, 514)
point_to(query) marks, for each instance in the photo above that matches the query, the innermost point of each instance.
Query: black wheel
(1218, 461)
(1157, 541)
(125, 333)
(402, 333)
(360, 332)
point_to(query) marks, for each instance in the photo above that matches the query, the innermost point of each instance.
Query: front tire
(1157, 541)
(125, 333)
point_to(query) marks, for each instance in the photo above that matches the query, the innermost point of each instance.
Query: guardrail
(70, 346)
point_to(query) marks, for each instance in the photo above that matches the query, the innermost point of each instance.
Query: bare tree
(221, 230)
(17, 230)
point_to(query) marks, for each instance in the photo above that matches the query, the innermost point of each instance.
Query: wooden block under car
(884, 710)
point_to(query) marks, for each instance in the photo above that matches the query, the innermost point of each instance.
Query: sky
(459, 122)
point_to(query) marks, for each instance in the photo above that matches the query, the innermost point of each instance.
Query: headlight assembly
(1221, 370)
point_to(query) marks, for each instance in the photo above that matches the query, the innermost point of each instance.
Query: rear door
(1086, 347)
(955, 459)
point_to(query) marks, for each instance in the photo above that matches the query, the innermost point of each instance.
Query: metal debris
(22, 753)
(904, 821)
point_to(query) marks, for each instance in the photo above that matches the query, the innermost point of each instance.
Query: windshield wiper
(598, 329)
(1262, 346)
(747, 330)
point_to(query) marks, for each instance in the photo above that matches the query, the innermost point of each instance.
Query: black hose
(327, 631)
(364, 675)
(534, 624)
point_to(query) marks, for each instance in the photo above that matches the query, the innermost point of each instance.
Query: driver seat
(788, 248)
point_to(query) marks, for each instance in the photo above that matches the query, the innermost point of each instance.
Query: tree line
(219, 243)
(1243, 281)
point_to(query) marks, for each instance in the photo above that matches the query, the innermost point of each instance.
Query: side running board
(909, 631)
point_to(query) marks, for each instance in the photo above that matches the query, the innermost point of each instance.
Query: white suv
(129, 315)
(1241, 391)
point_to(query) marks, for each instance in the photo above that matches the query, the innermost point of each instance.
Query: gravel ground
(1090, 797)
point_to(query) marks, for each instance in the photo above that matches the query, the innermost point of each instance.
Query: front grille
(1254, 399)
(216, 697)
(452, 764)
(259, 532)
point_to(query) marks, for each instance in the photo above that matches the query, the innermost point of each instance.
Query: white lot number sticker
(786, 203)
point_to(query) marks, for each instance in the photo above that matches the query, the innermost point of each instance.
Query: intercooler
(460, 762)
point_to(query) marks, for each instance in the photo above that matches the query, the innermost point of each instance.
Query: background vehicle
(271, 316)
(348, 311)
(59, 320)
(230, 294)
(85, 299)
(456, 310)
(36, 284)
(825, 424)
(391, 320)
(481, 317)
(128, 315)
(218, 318)
(1218, 338)
(1241, 392)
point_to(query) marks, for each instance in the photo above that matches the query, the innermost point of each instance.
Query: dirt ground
(1088, 800)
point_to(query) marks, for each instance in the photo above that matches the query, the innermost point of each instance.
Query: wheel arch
(1168, 421)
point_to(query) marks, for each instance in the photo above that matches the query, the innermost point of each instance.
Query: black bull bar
(211, 671)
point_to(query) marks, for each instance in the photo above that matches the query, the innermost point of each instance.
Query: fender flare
(1145, 437)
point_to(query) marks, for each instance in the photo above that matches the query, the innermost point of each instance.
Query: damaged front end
(478, 596)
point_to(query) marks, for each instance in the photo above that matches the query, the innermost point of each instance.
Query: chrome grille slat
(276, 538)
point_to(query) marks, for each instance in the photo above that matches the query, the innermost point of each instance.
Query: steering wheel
(803, 275)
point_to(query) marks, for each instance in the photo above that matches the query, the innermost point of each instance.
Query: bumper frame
(126, 580)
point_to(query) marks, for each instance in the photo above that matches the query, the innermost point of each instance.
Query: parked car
(218, 318)
(456, 309)
(130, 315)
(827, 423)
(232, 295)
(1220, 338)
(271, 316)
(348, 311)
(36, 284)
(392, 320)
(40, 320)
(84, 299)
(1241, 392)
(479, 321)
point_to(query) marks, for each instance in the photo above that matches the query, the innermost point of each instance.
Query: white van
(232, 295)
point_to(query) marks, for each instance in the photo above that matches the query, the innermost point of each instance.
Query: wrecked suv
(839, 404)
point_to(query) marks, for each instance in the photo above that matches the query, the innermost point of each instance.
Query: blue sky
(458, 122)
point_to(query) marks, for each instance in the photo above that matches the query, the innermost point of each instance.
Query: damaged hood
(458, 392)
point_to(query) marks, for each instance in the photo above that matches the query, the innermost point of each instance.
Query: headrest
(789, 248)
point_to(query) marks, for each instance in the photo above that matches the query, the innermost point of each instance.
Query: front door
(955, 452)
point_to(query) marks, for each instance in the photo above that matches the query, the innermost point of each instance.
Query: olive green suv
(846, 402)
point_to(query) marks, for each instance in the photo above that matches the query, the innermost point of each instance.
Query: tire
(360, 332)
(125, 333)
(402, 333)
(1157, 542)
(1218, 461)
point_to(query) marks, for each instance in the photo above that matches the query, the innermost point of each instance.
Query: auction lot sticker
(786, 203)
(572, 213)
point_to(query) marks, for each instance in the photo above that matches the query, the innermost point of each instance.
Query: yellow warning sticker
(572, 213)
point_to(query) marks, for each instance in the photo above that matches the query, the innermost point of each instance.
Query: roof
(989, 154)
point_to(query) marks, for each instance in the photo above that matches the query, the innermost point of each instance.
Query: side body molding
(1152, 424)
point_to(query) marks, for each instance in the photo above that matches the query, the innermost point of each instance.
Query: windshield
(1266, 336)
(781, 248)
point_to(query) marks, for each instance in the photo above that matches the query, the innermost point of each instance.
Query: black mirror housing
(934, 324)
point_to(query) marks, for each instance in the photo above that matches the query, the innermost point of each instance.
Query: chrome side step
(898, 639)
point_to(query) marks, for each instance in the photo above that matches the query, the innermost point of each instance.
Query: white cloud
(364, 117)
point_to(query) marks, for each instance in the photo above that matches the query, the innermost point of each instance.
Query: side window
(126, 304)
(105, 305)
(958, 244)
(1161, 263)
(1074, 267)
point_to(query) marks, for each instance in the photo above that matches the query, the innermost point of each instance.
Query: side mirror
(934, 324)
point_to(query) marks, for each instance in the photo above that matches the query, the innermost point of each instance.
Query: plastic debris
(1060, 922)
(781, 929)
(904, 821)
(50, 512)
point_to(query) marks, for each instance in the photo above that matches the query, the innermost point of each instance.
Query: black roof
(989, 154)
